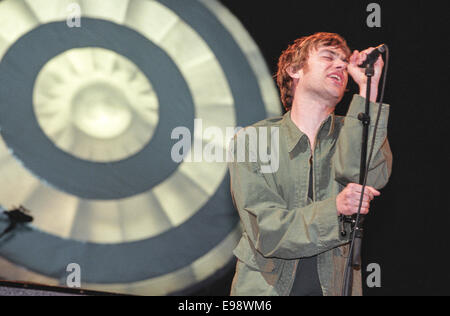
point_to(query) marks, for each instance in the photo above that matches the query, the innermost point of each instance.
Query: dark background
(407, 232)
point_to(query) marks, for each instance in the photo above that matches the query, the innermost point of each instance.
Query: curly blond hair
(296, 55)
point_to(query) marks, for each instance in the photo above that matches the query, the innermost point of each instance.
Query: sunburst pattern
(95, 104)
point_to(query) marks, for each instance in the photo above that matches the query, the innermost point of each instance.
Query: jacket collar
(294, 134)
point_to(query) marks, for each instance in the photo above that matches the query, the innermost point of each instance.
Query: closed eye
(331, 55)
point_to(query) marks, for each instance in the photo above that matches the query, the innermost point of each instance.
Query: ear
(293, 72)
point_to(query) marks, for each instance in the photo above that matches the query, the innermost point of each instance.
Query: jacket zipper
(311, 165)
(312, 158)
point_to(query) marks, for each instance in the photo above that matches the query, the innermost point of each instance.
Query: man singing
(291, 218)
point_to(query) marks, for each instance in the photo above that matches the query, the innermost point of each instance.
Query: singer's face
(325, 73)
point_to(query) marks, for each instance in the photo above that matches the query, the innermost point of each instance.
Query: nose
(341, 64)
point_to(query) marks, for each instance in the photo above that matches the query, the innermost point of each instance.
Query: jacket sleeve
(272, 228)
(348, 152)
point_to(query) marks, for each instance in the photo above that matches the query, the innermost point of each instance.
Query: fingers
(373, 190)
(366, 197)
(354, 58)
(355, 204)
(380, 61)
(349, 199)
(365, 53)
(355, 187)
(362, 58)
(358, 58)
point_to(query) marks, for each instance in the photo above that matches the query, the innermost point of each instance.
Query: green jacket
(280, 223)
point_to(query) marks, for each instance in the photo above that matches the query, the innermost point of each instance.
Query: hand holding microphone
(359, 60)
(373, 56)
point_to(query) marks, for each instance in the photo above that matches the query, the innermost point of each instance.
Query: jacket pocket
(246, 253)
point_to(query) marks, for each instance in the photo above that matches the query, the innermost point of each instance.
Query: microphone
(373, 56)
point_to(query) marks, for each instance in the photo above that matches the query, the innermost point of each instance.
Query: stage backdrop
(92, 94)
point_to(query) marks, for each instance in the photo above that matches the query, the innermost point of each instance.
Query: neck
(308, 114)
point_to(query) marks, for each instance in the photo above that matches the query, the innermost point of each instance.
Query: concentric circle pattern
(87, 115)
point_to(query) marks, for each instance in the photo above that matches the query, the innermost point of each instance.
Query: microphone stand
(16, 216)
(354, 261)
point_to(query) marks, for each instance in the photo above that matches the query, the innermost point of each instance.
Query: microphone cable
(347, 286)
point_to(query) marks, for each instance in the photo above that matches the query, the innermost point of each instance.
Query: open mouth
(337, 79)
